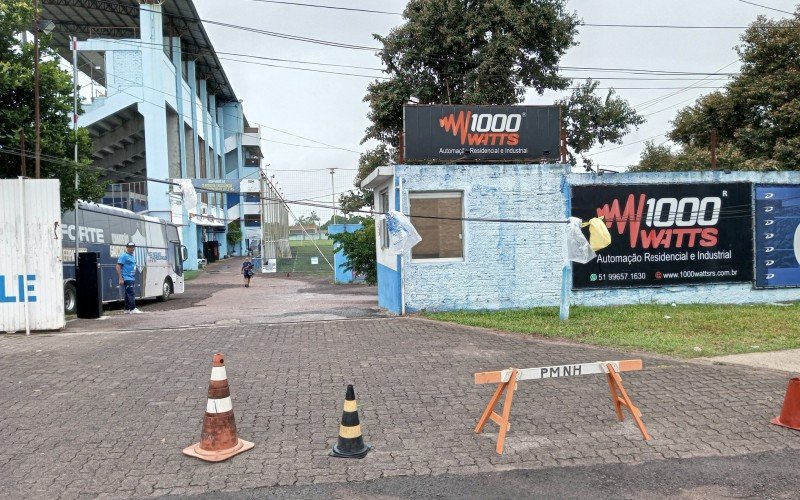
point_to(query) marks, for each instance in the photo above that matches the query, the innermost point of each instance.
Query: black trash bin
(87, 286)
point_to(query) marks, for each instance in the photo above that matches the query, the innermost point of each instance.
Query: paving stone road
(218, 298)
(107, 414)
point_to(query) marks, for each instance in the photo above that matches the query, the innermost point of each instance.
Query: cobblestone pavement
(218, 297)
(107, 414)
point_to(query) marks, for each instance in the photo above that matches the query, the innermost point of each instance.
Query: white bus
(159, 253)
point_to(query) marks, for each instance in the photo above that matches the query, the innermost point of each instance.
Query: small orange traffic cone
(218, 439)
(790, 413)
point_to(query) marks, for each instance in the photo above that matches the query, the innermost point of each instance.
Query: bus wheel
(70, 299)
(166, 290)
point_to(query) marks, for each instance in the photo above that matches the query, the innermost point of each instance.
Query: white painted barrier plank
(558, 371)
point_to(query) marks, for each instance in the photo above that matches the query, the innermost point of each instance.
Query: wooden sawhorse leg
(501, 420)
(620, 398)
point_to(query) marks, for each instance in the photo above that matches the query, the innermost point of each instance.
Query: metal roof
(118, 18)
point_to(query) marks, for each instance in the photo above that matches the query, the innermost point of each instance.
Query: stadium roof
(120, 18)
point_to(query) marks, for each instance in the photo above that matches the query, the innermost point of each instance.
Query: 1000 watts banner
(466, 133)
(664, 235)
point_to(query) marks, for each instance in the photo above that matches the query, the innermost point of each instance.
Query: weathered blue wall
(340, 275)
(506, 264)
(519, 265)
(389, 288)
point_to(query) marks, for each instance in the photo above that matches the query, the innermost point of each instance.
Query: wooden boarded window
(437, 218)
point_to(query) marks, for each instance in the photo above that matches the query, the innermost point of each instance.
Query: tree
(367, 162)
(590, 119)
(359, 248)
(234, 234)
(756, 115)
(56, 101)
(307, 220)
(468, 52)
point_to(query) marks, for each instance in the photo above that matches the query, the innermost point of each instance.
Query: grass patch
(663, 329)
(190, 275)
(302, 251)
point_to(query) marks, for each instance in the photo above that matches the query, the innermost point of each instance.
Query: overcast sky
(329, 109)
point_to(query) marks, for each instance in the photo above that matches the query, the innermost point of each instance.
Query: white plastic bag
(402, 235)
(578, 248)
(188, 192)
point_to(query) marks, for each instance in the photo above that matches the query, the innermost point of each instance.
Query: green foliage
(367, 162)
(359, 248)
(234, 234)
(468, 52)
(757, 115)
(307, 220)
(591, 119)
(55, 102)
(662, 158)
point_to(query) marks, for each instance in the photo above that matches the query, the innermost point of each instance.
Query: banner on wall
(217, 185)
(777, 219)
(667, 234)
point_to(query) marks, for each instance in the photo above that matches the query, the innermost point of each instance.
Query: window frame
(433, 195)
(383, 207)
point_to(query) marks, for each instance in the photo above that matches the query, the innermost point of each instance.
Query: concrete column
(179, 98)
(153, 108)
(194, 169)
(239, 128)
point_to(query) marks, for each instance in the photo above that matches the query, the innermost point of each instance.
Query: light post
(333, 196)
(46, 27)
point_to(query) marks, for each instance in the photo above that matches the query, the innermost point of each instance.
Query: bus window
(155, 235)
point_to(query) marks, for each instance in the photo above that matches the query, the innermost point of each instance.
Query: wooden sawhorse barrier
(507, 381)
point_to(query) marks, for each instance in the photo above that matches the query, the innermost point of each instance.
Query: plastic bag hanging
(578, 248)
(599, 237)
(188, 192)
(402, 235)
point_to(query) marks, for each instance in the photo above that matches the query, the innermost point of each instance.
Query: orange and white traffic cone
(790, 413)
(218, 439)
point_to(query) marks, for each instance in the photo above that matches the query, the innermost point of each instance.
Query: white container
(31, 272)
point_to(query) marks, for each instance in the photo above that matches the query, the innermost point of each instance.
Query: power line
(593, 25)
(331, 7)
(768, 8)
(730, 212)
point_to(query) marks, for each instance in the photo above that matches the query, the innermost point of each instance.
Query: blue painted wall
(340, 275)
(519, 265)
(389, 288)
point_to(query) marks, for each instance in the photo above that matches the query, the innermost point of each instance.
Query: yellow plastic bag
(599, 237)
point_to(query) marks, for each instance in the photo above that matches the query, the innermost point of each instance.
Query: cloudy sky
(304, 114)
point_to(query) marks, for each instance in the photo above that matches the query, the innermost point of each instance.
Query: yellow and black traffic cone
(351, 442)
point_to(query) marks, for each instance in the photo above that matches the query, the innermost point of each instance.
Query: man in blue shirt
(126, 271)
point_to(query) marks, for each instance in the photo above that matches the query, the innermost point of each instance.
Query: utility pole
(37, 118)
(23, 164)
(74, 40)
(713, 149)
(333, 196)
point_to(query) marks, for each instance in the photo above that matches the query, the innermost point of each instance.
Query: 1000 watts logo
(669, 222)
(483, 129)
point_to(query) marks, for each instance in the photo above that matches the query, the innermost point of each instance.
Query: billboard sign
(667, 234)
(777, 236)
(481, 133)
